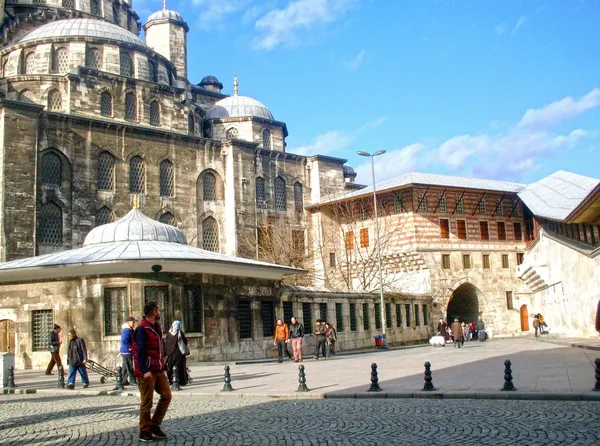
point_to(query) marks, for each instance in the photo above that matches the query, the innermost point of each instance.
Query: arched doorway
(464, 304)
(524, 318)
(7, 336)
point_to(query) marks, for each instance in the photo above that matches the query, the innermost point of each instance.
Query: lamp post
(384, 342)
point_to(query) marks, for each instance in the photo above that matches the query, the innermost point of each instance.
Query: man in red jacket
(149, 366)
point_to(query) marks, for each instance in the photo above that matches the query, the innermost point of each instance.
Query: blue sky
(496, 89)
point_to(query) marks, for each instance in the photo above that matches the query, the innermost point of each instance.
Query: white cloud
(354, 63)
(500, 28)
(391, 164)
(213, 13)
(520, 23)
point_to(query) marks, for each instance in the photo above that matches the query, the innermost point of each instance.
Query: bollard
(119, 379)
(175, 385)
(227, 386)
(428, 378)
(508, 384)
(374, 380)
(11, 378)
(61, 377)
(302, 380)
(597, 386)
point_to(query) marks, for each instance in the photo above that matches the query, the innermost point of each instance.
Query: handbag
(53, 348)
(183, 348)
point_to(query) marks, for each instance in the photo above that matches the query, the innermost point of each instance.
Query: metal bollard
(508, 384)
(119, 379)
(11, 378)
(597, 386)
(227, 386)
(61, 378)
(374, 380)
(428, 378)
(175, 385)
(302, 380)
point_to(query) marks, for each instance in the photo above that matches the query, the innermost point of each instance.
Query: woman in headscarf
(176, 345)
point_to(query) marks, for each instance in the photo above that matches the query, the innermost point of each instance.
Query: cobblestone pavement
(93, 420)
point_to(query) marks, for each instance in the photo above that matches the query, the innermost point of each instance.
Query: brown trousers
(55, 359)
(159, 384)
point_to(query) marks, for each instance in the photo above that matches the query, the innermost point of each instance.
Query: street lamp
(384, 342)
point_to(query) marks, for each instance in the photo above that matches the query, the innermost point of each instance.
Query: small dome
(349, 171)
(135, 226)
(166, 14)
(238, 107)
(210, 80)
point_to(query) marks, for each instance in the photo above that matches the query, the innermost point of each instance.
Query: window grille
(267, 315)
(167, 183)
(61, 60)
(160, 296)
(210, 235)
(398, 315)
(104, 216)
(481, 206)
(498, 207)
(94, 7)
(352, 317)
(51, 170)
(42, 323)
(54, 100)
(349, 239)
(422, 202)
(130, 107)
(366, 319)
(505, 261)
(50, 225)
(486, 261)
(39, 2)
(106, 104)
(364, 238)
(280, 198)
(307, 316)
(68, 4)
(94, 60)
(207, 129)
(461, 226)
(446, 261)
(398, 204)
(152, 72)
(288, 312)
(154, 113)
(298, 198)
(266, 139)
(232, 133)
(115, 310)
(377, 316)
(519, 232)
(30, 64)
(137, 175)
(209, 187)
(323, 311)
(192, 309)
(245, 319)
(484, 230)
(339, 317)
(444, 228)
(417, 316)
(442, 204)
(298, 245)
(388, 315)
(168, 219)
(363, 214)
(466, 261)
(191, 124)
(501, 230)
(260, 192)
(126, 65)
(459, 205)
(106, 171)
(408, 315)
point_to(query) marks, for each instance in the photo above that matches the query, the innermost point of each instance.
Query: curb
(569, 344)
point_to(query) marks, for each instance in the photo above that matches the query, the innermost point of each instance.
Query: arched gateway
(464, 303)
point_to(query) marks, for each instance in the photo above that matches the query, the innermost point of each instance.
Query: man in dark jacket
(457, 333)
(149, 369)
(320, 332)
(126, 349)
(296, 335)
(76, 359)
(54, 347)
(481, 334)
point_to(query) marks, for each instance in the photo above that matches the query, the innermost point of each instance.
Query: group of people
(539, 325)
(459, 332)
(325, 334)
(76, 356)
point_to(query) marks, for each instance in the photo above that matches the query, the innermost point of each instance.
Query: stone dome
(135, 226)
(210, 80)
(238, 107)
(166, 14)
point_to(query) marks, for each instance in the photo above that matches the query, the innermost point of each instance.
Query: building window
(192, 309)
(51, 170)
(519, 232)
(54, 100)
(126, 65)
(232, 133)
(505, 261)
(207, 129)
(104, 216)
(484, 230)
(461, 226)
(388, 315)
(501, 230)
(152, 72)
(366, 319)
(191, 124)
(30, 64)
(298, 198)
(106, 104)
(377, 316)
(266, 139)
(398, 315)
(94, 59)
(323, 311)
(446, 261)
(417, 316)
(137, 175)
(363, 214)
(307, 316)
(332, 260)
(498, 207)
(42, 322)
(167, 182)
(398, 204)
(481, 206)
(353, 317)
(267, 315)
(422, 206)
(486, 261)
(115, 11)
(349, 238)
(94, 7)
(106, 171)
(154, 113)
(210, 234)
(115, 310)
(425, 316)
(339, 317)
(61, 60)
(244, 317)
(280, 196)
(168, 219)
(442, 206)
(459, 205)
(288, 312)
(160, 296)
(130, 107)
(209, 187)
(466, 261)
(520, 258)
(260, 192)
(364, 238)
(170, 76)
(509, 300)
(444, 228)
(408, 315)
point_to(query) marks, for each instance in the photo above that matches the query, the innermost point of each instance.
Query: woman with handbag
(177, 350)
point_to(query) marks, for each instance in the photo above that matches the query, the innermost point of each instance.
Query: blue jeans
(73, 369)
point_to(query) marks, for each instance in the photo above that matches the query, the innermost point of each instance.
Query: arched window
(30, 64)
(126, 65)
(207, 129)
(60, 64)
(166, 179)
(154, 113)
(260, 192)
(443, 205)
(94, 58)
(50, 225)
(106, 105)
(280, 198)
(232, 133)
(54, 100)
(210, 234)
(137, 175)
(68, 4)
(168, 219)
(152, 72)
(298, 198)
(266, 139)
(106, 171)
(94, 7)
(209, 183)
(104, 216)
(51, 170)
(191, 124)
(130, 107)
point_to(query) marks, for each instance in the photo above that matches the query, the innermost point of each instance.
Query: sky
(501, 89)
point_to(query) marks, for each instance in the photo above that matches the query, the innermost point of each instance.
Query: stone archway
(464, 304)
(524, 313)
(7, 336)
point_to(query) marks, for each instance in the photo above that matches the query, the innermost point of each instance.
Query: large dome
(94, 28)
(238, 107)
(135, 226)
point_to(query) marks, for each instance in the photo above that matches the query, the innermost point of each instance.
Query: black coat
(296, 330)
(76, 352)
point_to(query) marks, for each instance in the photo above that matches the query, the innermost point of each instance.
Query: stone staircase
(534, 272)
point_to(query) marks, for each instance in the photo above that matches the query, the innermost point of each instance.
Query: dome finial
(164, 5)
(136, 201)
(235, 85)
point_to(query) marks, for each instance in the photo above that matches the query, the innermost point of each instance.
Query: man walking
(126, 348)
(282, 337)
(331, 338)
(457, 333)
(320, 332)
(76, 359)
(296, 335)
(54, 347)
(536, 325)
(149, 369)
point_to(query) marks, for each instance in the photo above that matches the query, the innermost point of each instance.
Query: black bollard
(175, 385)
(11, 377)
(597, 386)
(508, 384)
(428, 378)
(61, 377)
(119, 379)
(227, 386)
(302, 380)
(374, 380)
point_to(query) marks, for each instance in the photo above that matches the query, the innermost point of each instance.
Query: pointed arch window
(168, 219)
(94, 7)
(209, 190)
(126, 65)
(260, 192)
(130, 107)
(106, 171)
(30, 64)
(104, 216)
(94, 58)
(280, 196)
(137, 175)
(50, 225)
(154, 113)
(106, 104)
(51, 170)
(442, 205)
(152, 72)
(298, 198)
(232, 133)
(54, 100)
(266, 139)
(191, 124)
(210, 234)
(166, 179)
(60, 64)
